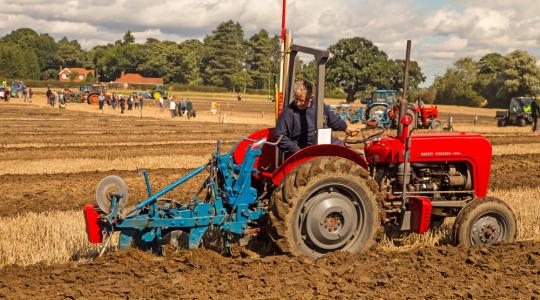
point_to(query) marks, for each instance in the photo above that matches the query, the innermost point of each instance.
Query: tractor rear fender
(315, 151)
(265, 163)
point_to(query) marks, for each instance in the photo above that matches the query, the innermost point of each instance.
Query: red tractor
(421, 117)
(321, 199)
(427, 117)
(328, 197)
(90, 93)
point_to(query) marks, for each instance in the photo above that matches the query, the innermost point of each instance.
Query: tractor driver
(297, 123)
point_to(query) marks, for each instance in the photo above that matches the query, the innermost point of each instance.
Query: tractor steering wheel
(364, 139)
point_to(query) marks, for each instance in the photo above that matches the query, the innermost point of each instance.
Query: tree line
(224, 58)
(490, 81)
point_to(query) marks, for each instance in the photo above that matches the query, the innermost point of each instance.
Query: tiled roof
(78, 70)
(138, 79)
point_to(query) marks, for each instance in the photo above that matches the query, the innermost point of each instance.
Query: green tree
(521, 75)
(490, 82)
(17, 62)
(95, 60)
(192, 52)
(307, 71)
(90, 78)
(44, 46)
(70, 54)
(427, 94)
(162, 59)
(225, 55)
(128, 38)
(259, 58)
(241, 80)
(396, 70)
(73, 76)
(110, 60)
(494, 79)
(355, 65)
(457, 85)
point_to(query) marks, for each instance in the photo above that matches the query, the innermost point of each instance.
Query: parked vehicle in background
(90, 93)
(427, 117)
(519, 113)
(145, 95)
(17, 89)
(380, 108)
(347, 113)
(159, 91)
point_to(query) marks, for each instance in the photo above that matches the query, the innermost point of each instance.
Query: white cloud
(441, 34)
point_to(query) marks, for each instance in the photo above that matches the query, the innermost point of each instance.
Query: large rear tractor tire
(501, 123)
(324, 205)
(522, 122)
(93, 99)
(156, 95)
(485, 221)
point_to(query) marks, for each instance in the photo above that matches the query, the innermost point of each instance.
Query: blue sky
(442, 31)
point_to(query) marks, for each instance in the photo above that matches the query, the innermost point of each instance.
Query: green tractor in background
(159, 91)
(519, 113)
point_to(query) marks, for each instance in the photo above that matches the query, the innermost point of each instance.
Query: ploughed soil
(28, 133)
(514, 171)
(46, 192)
(503, 271)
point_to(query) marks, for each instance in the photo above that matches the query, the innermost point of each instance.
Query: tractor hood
(473, 149)
(430, 147)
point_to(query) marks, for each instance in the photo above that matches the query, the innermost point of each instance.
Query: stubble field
(51, 161)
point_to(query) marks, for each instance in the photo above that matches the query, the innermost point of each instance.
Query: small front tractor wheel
(485, 221)
(522, 122)
(436, 125)
(324, 205)
(501, 123)
(156, 95)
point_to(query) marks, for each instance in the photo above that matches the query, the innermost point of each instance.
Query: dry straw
(55, 237)
(516, 149)
(111, 144)
(524, 202)
(50, 237)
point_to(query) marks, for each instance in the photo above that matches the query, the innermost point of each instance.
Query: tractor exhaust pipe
(403, 131)
(403, 104)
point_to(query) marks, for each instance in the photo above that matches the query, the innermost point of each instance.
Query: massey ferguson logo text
(428, 154)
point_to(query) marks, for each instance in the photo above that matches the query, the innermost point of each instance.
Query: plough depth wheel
(106, 188)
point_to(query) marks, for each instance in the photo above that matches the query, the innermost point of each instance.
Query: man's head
(303, 90)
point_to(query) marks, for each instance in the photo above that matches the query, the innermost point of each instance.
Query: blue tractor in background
(18, 88)
(380, 108)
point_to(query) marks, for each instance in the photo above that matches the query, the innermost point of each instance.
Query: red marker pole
(279, 101)
(283, 15)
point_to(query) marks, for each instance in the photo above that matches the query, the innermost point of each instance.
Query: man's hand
(352, 130)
